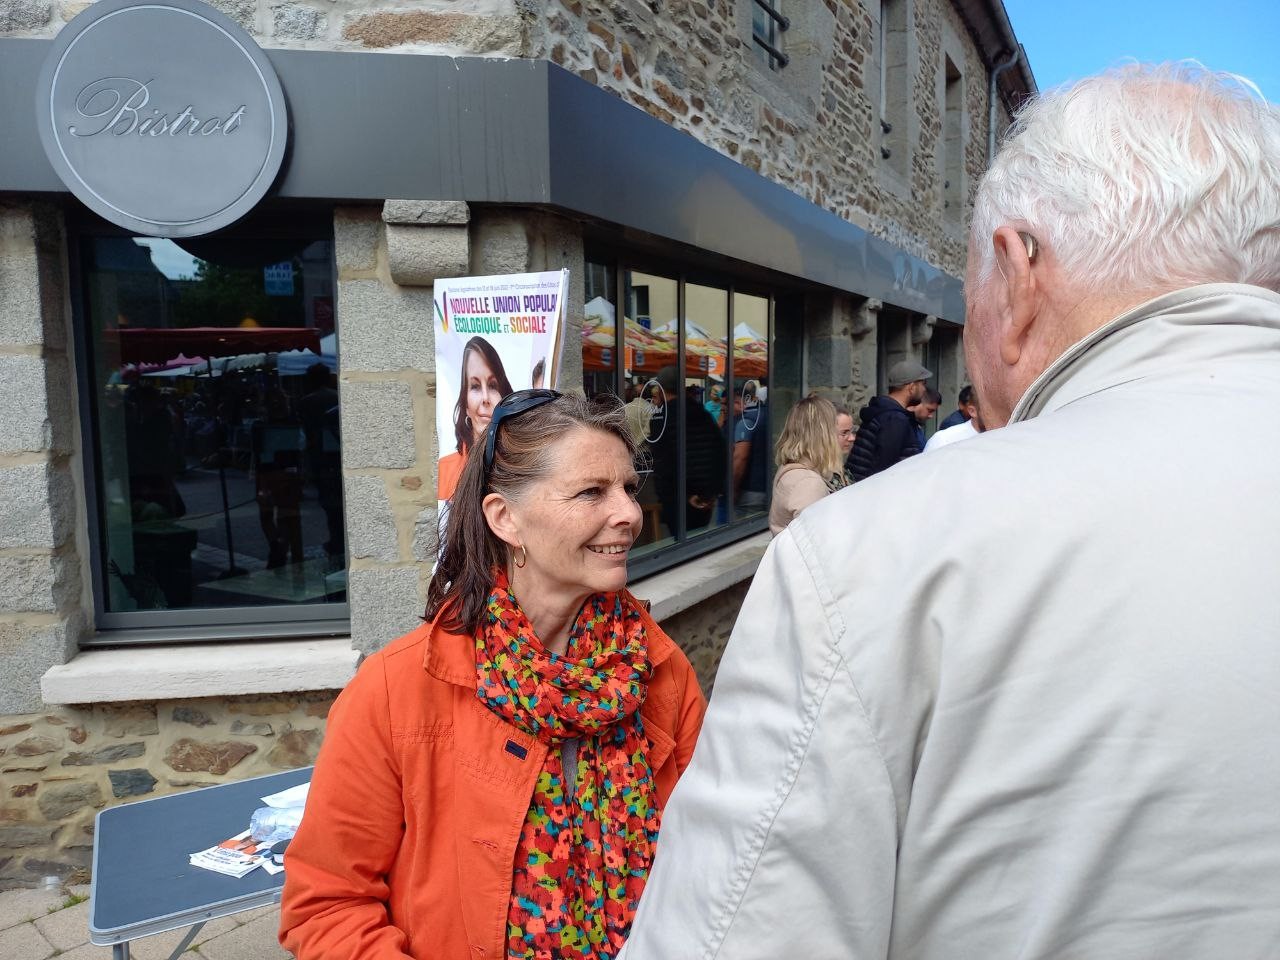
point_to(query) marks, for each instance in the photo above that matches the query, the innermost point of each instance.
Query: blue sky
(1070, 39)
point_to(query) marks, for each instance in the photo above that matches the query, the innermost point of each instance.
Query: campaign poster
(494, 335)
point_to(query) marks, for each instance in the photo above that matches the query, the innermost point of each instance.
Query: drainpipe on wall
(991, 102)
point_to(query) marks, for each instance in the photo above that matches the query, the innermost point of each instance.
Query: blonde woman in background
(809, 461)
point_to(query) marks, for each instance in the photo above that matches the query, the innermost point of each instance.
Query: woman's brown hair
(524, 453)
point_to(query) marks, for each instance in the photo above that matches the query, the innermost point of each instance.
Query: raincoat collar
(1209, 323)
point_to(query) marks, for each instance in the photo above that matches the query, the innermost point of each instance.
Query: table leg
(186, 941)
(120, 951)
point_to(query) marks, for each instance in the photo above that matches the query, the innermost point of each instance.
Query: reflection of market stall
(223, 482)
(648, 351)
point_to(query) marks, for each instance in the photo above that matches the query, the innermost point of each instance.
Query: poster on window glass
(494, 335)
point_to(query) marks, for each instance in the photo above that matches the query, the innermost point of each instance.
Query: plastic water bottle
(273, 824)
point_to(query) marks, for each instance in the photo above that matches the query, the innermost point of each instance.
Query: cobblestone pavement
(35, 924)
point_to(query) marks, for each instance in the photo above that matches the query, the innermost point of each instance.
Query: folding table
(143, 883)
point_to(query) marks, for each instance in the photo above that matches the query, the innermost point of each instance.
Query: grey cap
(907, 371)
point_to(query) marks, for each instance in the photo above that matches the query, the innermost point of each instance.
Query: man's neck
(903, 397)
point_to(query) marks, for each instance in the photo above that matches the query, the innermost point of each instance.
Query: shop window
(690, 359)
(212, 412)
(767, 28)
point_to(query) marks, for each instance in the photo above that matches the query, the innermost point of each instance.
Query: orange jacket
(418, 798)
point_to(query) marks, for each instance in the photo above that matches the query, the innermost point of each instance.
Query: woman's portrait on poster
(484, 383)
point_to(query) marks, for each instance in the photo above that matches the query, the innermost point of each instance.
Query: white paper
(293, 797)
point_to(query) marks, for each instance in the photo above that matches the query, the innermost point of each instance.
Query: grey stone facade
(41, 611)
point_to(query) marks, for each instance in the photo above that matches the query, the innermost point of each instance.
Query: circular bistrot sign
(163, 117)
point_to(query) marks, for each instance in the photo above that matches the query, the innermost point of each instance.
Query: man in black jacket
(888, 431)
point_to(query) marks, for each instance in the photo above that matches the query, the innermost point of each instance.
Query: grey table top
(142, 881)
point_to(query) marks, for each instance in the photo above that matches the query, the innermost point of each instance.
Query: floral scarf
(587, 841)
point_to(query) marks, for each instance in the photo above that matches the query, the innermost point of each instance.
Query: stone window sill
(190, 671)
(680, 588)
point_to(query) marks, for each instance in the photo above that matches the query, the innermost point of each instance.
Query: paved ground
(35, 924)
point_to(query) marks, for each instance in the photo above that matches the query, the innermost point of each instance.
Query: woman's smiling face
(578, 524)
(483, 391)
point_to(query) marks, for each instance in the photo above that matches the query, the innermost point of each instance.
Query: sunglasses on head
(512, 405)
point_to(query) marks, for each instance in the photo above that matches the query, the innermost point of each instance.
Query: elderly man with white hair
(1042, 719)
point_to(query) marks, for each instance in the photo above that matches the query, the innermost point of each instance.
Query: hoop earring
(523, 559)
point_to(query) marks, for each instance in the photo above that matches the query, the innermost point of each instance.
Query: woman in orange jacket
(490, 785)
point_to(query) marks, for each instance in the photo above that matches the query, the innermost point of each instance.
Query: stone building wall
(813, 126)
(59, 766)
(42, 591)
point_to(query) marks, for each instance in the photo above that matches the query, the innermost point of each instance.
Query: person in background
(277, 443)
(704, 450)
(924, 411)
(888, 432)
(1036, 720)
(964, 430)
(845, 432)
(491, 784)
(846, 435)
(962, 412)
(809, 461)
(484, 383)
(750, 446)
(715, 403)
(318, 410)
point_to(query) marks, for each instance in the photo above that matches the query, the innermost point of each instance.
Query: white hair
(1144, 178)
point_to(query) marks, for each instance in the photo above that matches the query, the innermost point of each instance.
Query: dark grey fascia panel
(405, 127)
(372, 126)
(363, 126)
(613, 161)
(24, 168)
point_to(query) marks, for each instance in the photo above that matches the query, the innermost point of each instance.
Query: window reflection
(216, 409)
(706, 445)
(651, 330)
(599, 336)
(751, 447)
(702, 420)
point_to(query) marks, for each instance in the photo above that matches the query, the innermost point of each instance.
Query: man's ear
(1018, 295)
(497, 511)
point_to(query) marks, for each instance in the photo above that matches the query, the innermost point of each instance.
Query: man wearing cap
(888, 432)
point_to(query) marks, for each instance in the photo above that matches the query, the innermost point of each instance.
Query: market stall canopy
(295, 363)
(146, 345)
(648, 351)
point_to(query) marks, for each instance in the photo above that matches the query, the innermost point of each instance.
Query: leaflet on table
(236, 857)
